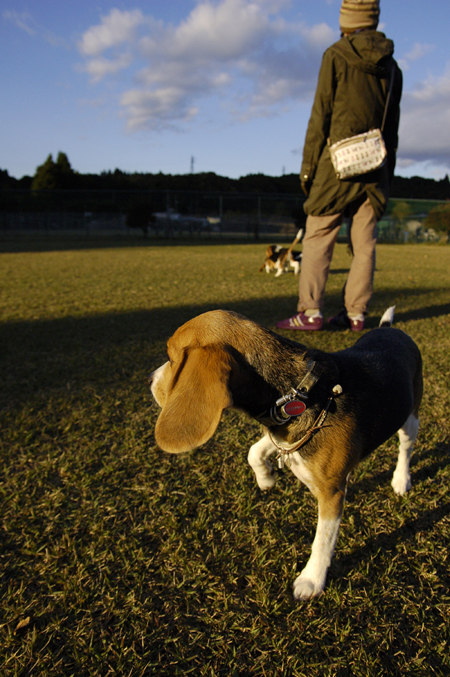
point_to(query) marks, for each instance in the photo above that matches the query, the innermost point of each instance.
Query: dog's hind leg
(296, 266)
(401, 480)
(258, 460)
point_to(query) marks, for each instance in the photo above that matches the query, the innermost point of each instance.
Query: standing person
(351, 95)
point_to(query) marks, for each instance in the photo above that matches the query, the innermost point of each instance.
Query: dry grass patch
(118, 559)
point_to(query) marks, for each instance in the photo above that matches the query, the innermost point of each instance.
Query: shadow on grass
(425, 465)
(83, 240)
(98, 350)
(385, 298)
(424, 313)
(388, 542)
(50, 353)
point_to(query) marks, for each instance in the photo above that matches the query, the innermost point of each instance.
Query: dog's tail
(388, 318)
(297, 238)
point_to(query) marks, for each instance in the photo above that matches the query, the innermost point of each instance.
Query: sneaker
(302, 322)
(357, 323)
(343, 321)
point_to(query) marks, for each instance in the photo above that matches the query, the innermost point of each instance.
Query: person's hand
(306, 186)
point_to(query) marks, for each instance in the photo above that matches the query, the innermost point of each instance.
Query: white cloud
(224, 31)
(241, 48)
(22, 20)
(320, 36)
(165, 106)
(243, 56)
(418, 51)
(425, 122)
(25, 22)
(100, 67)
(116, 28)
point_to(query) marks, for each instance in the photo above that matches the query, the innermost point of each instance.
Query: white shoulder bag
(362, 153)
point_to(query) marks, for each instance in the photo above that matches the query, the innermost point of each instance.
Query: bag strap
(342, 51)
(388, 96)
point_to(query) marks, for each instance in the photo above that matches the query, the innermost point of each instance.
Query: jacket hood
(369, 51)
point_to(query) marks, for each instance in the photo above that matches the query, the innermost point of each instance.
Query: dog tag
(294, 408)
(280, 462)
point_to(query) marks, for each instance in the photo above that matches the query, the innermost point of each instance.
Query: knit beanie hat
(356, 14)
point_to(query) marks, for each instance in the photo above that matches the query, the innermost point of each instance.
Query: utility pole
(192, 164)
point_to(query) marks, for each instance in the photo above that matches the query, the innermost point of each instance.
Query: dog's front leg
(258, 460)
(311, 581)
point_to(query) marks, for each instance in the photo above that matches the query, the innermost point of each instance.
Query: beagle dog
(322, 412)
(280, 258)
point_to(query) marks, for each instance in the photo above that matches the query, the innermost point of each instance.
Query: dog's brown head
(218, 360)
(192, 386)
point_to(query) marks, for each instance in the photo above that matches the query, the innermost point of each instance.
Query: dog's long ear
(196, 401)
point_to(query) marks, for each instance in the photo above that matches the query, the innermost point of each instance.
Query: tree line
(59, 175)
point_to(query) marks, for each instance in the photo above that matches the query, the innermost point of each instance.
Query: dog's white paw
(306, 588)
(266, 480)
(401, 483)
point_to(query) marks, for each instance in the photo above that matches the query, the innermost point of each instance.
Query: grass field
(119, 559)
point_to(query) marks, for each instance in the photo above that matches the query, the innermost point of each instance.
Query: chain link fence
(172, 214)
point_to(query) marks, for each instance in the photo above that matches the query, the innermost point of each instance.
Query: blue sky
(146, 86)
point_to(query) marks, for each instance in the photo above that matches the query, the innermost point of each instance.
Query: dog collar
(293, 403)
(284, 453)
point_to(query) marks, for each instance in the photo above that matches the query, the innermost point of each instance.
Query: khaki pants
(318, 244)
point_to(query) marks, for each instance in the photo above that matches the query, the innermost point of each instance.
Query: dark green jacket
(350, 99)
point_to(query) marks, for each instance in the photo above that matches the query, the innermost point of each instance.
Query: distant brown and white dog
(279, 259)
(322, 412)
